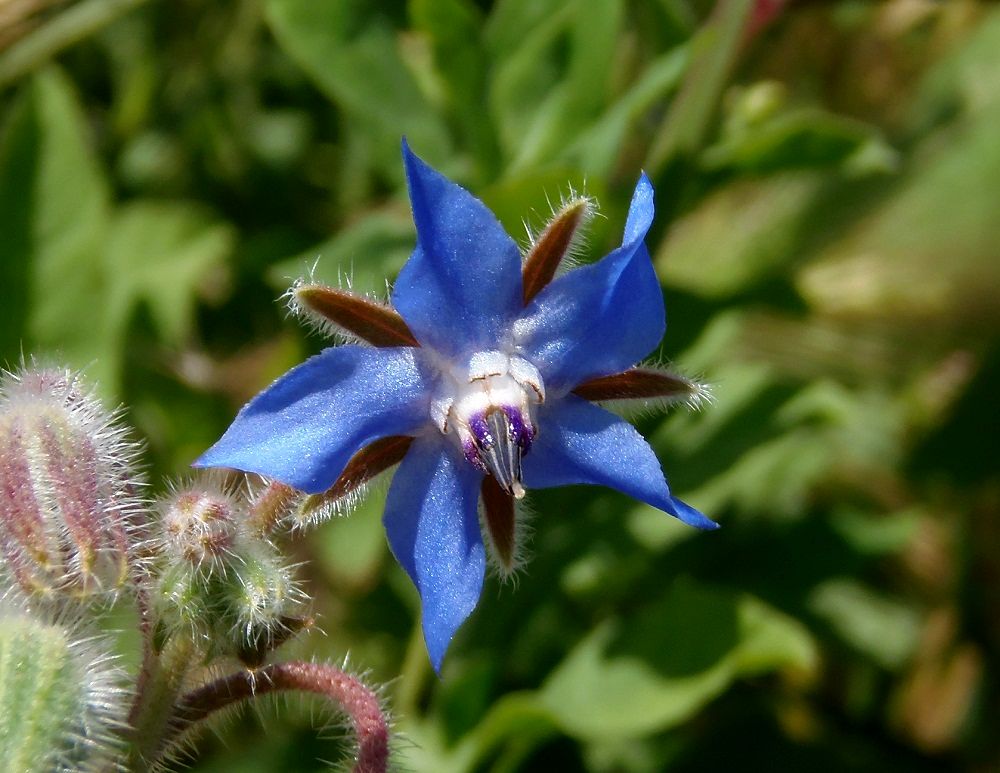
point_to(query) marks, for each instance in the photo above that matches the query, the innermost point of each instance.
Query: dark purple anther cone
(499, 437)
(481, 431)
(471, 452)
(521, 432)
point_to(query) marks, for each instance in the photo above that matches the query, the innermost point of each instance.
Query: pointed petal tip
(640, 213)
(689, 515)
(435, 653)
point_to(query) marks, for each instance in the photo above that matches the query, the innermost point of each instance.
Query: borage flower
(480, 381)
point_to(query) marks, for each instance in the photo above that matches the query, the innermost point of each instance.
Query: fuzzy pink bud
(68, 508)
(199, 523)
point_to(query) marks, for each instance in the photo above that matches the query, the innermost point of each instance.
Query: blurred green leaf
(163, 253)
(648, 673)
(929, 252)
(364, 254)
(878, 534)
(350, 52)
(350, 548)
(88, 266)
(455, 31)
(743, 233)
(713, 55)
(963, 80)
(883, 628)
(538, 116)
(54, 222)
(526, 69)
(800, 137)
(599, 145)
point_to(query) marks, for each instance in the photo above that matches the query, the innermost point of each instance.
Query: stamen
(491, 415)
(499, 447)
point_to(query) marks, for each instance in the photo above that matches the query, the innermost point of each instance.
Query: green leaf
(163, 253)
(654, 671)
(801, 137)
(883, 628)
(351, 53)
(962, 80)
(526, 69)
(351, 547)
(929, 251)
(741, 234)
(581, 92)
(364, 254)
(714, 53)
(597, 148)
(54, 220)
(455, 31)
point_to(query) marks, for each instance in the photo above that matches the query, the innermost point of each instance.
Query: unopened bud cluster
(220, 582)
(68, 506)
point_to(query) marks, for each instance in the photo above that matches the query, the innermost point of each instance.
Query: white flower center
(490, 412)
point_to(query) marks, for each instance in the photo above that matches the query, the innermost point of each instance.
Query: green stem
(416, 669)
(156, 707)
(71, 26)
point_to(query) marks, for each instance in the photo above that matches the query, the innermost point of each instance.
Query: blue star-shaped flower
(481, 382)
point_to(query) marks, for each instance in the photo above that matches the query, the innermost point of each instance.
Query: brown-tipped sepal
(504, 527)
(341, 312)
(649, 385)
(366, 464)
(553, 244)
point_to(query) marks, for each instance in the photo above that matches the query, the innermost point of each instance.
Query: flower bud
(68, 507)
(260, 597)
(199, 523)
(220, 582)
(63, 701)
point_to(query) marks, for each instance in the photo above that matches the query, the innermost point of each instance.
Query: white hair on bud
(92, 739)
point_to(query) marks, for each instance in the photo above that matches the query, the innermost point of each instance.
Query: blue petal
(431, 519)
(303, 429)
(461, 288)
(580, 443)
(602, 318)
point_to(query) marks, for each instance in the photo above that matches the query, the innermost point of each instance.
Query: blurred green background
(828, 238)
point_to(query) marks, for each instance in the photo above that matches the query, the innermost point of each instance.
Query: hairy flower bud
(260, 597)
(199, 523)
(63, 704)
(220, 581)
(68, 507)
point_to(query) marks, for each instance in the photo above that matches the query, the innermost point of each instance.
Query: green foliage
(827, 240)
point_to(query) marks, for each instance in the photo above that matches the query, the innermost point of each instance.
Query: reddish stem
(356, 699)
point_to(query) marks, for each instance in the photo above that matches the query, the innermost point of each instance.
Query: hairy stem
(349, 692)
(151, 715)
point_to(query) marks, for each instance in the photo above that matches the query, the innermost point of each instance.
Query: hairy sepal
(645, 387)
(555, 242)
(362, 469)
(350, 315)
